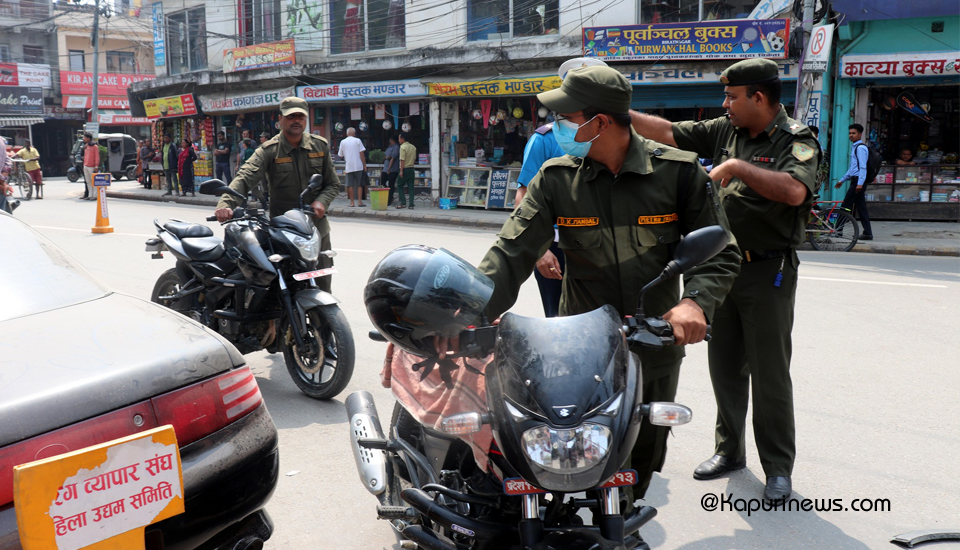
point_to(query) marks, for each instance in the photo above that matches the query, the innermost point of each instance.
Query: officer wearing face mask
(621, 204)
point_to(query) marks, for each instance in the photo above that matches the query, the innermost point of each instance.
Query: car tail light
(194, 411)
(203, 408)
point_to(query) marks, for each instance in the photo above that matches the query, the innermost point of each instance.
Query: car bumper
(228, 477)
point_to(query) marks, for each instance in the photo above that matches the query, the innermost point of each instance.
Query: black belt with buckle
(749, 256)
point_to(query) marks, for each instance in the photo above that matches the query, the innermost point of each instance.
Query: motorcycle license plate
(315, 274)
(621, 479)
(518, 486)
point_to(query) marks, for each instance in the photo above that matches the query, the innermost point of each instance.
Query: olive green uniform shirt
(287, 170)
(617, 232)
(784, 146)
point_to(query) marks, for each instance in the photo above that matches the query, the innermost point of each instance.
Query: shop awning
(19, 121)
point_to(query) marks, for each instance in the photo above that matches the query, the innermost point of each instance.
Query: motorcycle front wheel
(322, 370)
(73, 176)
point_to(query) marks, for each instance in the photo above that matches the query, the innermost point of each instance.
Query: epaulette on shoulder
(321, 138)
(795, 128)
(565, 161)
(544, 129)
(666, 152)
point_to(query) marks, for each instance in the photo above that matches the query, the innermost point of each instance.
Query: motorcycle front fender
(310, 298)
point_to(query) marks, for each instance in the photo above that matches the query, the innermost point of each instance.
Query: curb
(429, 217)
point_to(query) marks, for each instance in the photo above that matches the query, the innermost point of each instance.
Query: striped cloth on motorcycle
(430, 400)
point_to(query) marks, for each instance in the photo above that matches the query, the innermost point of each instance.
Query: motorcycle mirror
(463, 423)
(316, 180)
(699, 246)
(217, 187)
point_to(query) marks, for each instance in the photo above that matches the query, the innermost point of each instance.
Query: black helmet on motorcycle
(417, 292)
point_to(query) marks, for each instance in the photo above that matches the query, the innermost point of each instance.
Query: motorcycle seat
(185, 230)
(203, 249)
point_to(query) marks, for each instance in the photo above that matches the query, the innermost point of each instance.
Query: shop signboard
(366, 90)
(159, 40)
(770, 8)
(701, 41)
(85, 102)
(109, 119)
(499, 87)
(237, 102)
(899, 65)
(63, 113)
(675, 74)
(178, 105)
(109, 84)
(259, 56)
(817, 54)
(17, 100)
(25, 74)
(497, 197)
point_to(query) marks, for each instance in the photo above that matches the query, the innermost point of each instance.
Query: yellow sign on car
(102, 496)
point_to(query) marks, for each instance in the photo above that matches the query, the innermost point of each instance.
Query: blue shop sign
(704, 40)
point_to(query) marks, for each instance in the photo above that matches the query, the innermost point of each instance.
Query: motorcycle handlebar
(211, 218)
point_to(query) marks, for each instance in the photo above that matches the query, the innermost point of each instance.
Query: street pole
(807, 26)
(94, 114)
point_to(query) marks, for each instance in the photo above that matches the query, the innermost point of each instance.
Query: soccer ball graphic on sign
(776, 41)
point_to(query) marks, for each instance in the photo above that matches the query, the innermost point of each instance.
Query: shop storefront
(178, 117)
(377, 111)
(60, 130)
(909, 105)
(254, 111)
(486, 125)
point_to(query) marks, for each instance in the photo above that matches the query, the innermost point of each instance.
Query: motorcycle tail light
(669, 414)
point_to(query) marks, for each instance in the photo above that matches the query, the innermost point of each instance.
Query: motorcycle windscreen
(562, 367)
(293, 220)
(450, 295)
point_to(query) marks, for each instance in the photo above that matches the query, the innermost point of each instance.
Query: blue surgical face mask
(566, 134)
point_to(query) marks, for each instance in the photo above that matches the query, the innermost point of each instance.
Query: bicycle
(832, 229)
(20, 178)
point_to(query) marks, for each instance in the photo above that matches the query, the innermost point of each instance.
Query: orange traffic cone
(100, 182)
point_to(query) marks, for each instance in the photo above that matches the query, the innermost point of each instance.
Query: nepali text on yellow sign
(484, 88)
(102, 496)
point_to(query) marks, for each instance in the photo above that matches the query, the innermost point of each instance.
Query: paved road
(874, 373)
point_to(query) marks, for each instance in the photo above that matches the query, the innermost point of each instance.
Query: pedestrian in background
(857, 175)
(351, 151)
(238, 158)
(408, 157)
(391, 167)
(222, 158)
(91, 164)
(248, 150)
(5, 190)
(32, 156)
(185, 160)
(170, 158)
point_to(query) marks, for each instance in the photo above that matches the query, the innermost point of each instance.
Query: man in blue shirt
(858, 173)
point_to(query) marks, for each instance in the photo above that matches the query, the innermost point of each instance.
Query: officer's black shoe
(866, 237)
(778, 487)
(718, 465)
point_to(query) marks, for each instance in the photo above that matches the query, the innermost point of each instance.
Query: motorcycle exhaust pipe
(426, 539)
(365, 424)
(482, 530)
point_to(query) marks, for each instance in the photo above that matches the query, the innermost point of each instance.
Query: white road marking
(87, 231)
(862, 282)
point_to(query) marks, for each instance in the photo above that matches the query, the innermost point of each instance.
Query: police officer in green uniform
(621, 204)
(766, 164)
(286, 162)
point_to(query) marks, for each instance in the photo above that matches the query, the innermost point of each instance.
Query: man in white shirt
(351, 151)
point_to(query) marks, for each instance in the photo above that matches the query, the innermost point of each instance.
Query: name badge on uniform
(577, 222)
(764, 159)
(657, 220)
(282, 160)
(316, 155)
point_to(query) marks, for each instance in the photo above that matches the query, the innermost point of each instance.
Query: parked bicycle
(831, 227)
(20, 179)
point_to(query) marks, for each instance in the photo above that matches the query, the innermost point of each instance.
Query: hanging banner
(231, 103)
(247, 58)
(159, 42)
(108, 84)
(817, 53)
(704, 40)
(487, 88)
(365, 90)
(894, 65)
(16, 100)
(25, 74)
(178, 105)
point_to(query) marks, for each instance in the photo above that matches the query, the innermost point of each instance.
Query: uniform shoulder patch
(802, 151)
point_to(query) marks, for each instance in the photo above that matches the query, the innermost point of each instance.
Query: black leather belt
(749, 256)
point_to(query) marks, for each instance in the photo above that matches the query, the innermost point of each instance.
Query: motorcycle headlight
(567, 451)
(309, 247)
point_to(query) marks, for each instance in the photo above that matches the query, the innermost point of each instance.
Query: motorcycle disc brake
(301, 357)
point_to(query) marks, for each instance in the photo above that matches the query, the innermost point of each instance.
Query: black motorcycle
(256, 288)
(564, 403)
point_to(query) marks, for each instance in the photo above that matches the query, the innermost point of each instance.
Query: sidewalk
(912, 238)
